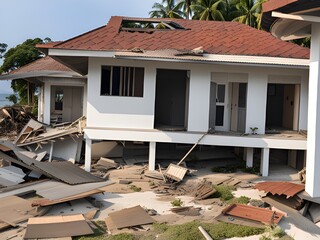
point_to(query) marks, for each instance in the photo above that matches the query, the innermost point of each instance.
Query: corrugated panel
(286, 188)
(64, 171)
(61, 190)
(11, 175)
(253, 213)
(67, 172)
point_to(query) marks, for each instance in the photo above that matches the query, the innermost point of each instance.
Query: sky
(60, 19)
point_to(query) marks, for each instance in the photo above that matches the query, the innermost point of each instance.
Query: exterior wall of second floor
(108, 110)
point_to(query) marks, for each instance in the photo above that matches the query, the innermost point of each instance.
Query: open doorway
(171, 107)
(66, 103)
(282, 107)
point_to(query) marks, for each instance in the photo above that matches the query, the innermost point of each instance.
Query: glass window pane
(105, 80)
(219, 115)
(221, 90)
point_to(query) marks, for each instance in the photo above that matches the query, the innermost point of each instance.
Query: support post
(87, 164)
(152, 156)
(264, 165)
(313, 141)
(249, 157)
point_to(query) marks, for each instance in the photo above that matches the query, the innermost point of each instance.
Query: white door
(221, 107)
(234, 107)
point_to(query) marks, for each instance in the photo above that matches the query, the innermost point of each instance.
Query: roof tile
(230, 38)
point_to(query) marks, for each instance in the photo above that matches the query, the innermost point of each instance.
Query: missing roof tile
(148, 25)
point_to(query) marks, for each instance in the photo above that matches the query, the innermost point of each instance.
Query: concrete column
(152, 156)
(249, 157)
(87, 163)
(85, 100)
(313, 150)
(256, 102)
(47, 103)
(264, 165)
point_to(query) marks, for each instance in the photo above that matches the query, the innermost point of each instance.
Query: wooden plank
(130, 217)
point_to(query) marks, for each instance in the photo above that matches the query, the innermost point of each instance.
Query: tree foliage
(167, 9)
(3, 48)
(248, 12)
(19, 56)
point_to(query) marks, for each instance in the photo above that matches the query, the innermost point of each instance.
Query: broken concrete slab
(79, 206)
(57, 226)
(130, 217)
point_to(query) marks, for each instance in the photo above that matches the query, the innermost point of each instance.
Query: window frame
(124, 84)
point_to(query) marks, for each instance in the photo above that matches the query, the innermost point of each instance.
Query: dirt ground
(153, 194)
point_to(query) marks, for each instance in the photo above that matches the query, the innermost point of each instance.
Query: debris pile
(13, 119)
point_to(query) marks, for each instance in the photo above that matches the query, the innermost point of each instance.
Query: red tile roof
(229, 38)
(43, 64)
(275, 4)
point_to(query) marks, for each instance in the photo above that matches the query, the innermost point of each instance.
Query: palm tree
(167, 9)
(209, 10)
(231, 11)
(249, 12)
(186, 7)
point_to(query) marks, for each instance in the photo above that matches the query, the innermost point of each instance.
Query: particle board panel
(14, 210)
(57, 226)
(130, 217)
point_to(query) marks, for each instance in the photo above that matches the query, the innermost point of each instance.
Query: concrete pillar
(152, 156)
(313, 142)
(292, 158)
(264, 165)
(87, 163)
(249, 157)
(47, 103)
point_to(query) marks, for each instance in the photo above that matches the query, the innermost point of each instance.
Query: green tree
(231, 11)
(186, 6)
(18, 56)
(167, 9)
(3, 49)
(249, 12)
(209, 10)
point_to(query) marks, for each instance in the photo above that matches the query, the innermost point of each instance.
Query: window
(122, 81)
(58, 104)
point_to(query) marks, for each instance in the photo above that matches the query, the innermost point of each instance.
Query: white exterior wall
(303, 113)
(199, 95)
(117, 111)
(138, 113)
(256, 102)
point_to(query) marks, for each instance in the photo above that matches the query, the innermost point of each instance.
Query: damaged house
(169, 81)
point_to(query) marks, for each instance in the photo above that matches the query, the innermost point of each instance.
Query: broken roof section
(281, 188)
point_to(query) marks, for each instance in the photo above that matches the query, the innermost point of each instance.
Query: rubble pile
(13, 119)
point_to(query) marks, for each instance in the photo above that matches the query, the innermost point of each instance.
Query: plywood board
(14, 210)
(57, 226)
(130, 217)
